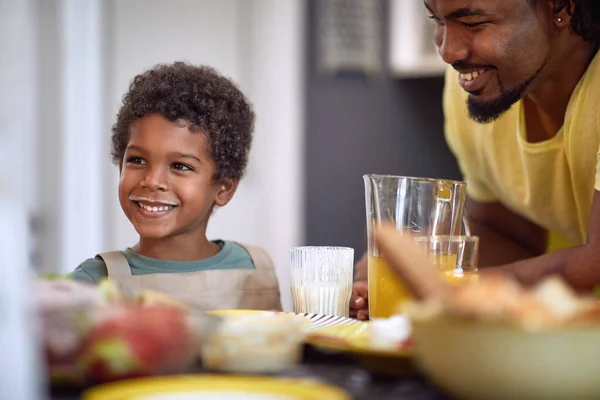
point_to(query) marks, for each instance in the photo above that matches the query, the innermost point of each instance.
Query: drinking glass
(456, 257)
(321, 279)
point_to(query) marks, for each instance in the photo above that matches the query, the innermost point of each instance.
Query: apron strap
(263, 263)
(116, 263)
(260, 258)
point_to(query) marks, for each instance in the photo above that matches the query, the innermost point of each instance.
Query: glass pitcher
(422, 206)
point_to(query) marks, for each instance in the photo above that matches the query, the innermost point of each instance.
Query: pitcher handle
(444, 192)
(465, 225)
(447, 190)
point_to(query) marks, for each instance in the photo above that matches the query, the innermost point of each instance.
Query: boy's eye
(182, 167)
(135, 160)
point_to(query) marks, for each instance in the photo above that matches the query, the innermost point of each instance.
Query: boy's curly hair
(199, 97)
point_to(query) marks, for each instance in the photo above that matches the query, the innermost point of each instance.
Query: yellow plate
(230, 313)
(351, 339)
(234, 313)
(213, 387)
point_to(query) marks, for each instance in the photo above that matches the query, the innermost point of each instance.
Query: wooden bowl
(475, 360)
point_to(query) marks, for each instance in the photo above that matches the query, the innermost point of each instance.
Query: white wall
(18, 122)
(82, 136)
(276, 85)
(69, 140)
(257, 43)
(20, 376)
(18, 81)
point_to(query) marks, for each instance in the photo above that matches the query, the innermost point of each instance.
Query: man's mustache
(467, 66)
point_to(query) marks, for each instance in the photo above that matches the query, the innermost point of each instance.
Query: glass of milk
(321, 279)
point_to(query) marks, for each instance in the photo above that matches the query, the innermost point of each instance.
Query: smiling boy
(181, 142)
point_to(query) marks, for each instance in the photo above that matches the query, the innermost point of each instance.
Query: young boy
(181, 142)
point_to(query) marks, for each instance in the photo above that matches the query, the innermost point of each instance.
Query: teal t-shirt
(231, 256)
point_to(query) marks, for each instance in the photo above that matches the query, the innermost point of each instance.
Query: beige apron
(225, 289)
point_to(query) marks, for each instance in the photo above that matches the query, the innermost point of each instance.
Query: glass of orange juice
(420, 206)
(456, 257)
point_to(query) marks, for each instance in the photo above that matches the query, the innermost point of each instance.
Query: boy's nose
(155, 179)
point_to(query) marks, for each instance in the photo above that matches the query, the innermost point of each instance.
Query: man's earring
(559, 19)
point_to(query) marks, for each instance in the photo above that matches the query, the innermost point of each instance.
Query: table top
(346, 372)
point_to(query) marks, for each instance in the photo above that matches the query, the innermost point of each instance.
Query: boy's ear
(225, 191)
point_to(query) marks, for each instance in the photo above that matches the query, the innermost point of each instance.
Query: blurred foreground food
(94, 334)
(499, 298)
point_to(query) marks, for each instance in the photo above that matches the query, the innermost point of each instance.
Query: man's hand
(359, 302)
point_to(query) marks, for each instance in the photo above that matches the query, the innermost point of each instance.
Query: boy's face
(166, 187)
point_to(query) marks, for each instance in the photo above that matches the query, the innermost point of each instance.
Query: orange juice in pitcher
(386, 290)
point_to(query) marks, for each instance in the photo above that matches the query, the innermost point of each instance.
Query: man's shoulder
(585, 102)
(591, 78)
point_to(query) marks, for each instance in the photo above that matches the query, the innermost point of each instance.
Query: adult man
(522, 109)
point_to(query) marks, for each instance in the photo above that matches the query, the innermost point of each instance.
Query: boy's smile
(167, 185)
(152, 208)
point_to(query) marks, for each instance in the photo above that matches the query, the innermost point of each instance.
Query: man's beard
(487, 111)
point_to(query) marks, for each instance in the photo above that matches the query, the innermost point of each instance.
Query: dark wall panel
(357, 126)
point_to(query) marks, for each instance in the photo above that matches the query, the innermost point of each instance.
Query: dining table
(342, 370)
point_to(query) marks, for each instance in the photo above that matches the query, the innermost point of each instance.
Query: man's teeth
(154, 208)
(469, 76)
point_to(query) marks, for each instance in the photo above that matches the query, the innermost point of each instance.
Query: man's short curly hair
(585, 17)
(585, 20)
(199, 97)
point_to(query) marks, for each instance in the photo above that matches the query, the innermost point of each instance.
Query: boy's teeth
(155, 208)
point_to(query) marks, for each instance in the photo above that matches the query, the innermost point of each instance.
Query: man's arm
(579, 265)
(505, 237)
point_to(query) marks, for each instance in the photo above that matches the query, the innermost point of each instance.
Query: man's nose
(452, 45)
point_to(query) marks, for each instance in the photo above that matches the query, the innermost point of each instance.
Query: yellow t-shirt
(551, 183)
